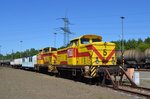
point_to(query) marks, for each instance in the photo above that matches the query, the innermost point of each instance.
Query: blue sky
(34, 21)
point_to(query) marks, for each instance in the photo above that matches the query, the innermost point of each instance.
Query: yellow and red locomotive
(84, 56)
(46, 59)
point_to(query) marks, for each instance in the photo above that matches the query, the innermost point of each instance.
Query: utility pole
(66, 30)
(122, 47)
(120, 43)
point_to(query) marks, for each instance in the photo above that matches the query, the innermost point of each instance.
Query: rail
(139, 91)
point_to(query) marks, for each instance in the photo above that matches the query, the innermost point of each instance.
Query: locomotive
(85, 55)
(46, 59)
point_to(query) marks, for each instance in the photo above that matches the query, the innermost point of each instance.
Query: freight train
(86, 56)
(135, 58)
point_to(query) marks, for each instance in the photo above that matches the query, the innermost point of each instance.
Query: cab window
(46, 50)
(76, 43)
(40, 51)
(96, 40)
(85, 41)
(53, 49)
(71, 43)
(30, 59)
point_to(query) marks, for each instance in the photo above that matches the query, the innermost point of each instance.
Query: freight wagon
(16, 63)
(29, 62)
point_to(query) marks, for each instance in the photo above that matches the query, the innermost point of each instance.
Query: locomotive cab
(90, 50)
(48, 55)
(46, 59)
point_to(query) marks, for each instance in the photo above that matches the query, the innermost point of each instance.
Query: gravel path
(20, 84)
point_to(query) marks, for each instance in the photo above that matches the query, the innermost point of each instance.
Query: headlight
(97, 61)
(113, 60)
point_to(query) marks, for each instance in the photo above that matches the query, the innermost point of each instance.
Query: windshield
(96, 40)
(46, 50)
(85, 41)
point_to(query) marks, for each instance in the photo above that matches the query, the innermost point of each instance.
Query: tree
(118, 44)
(140, 41)
(26, 53)
(131, 44)
(142, 47)
(134, 44)
(147, 40)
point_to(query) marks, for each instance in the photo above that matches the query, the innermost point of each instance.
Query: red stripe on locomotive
(64, 62)
(110, 55)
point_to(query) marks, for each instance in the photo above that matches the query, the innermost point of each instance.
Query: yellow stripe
(93, 68)
(94, 72)
(93, 75)
(51, 68)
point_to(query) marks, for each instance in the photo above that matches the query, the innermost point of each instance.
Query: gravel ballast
(21, 84)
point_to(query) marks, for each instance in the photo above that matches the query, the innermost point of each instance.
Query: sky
(34, 22)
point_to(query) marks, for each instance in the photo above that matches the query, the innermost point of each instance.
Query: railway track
(139, 91)
(147, 70)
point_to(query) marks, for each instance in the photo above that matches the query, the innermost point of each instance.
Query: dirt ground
(20, 84)
(144, 79)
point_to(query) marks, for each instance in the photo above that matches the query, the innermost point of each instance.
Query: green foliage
(142, 47)
(26, 53)
(118, 44)
(140, 41)
(147, 40)
(134, 44)
(131, 44)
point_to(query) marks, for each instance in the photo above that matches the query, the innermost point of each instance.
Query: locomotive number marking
(104, 52)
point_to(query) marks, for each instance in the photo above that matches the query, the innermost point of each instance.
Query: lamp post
(120, 38)
(20, 48)
(122, 43)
